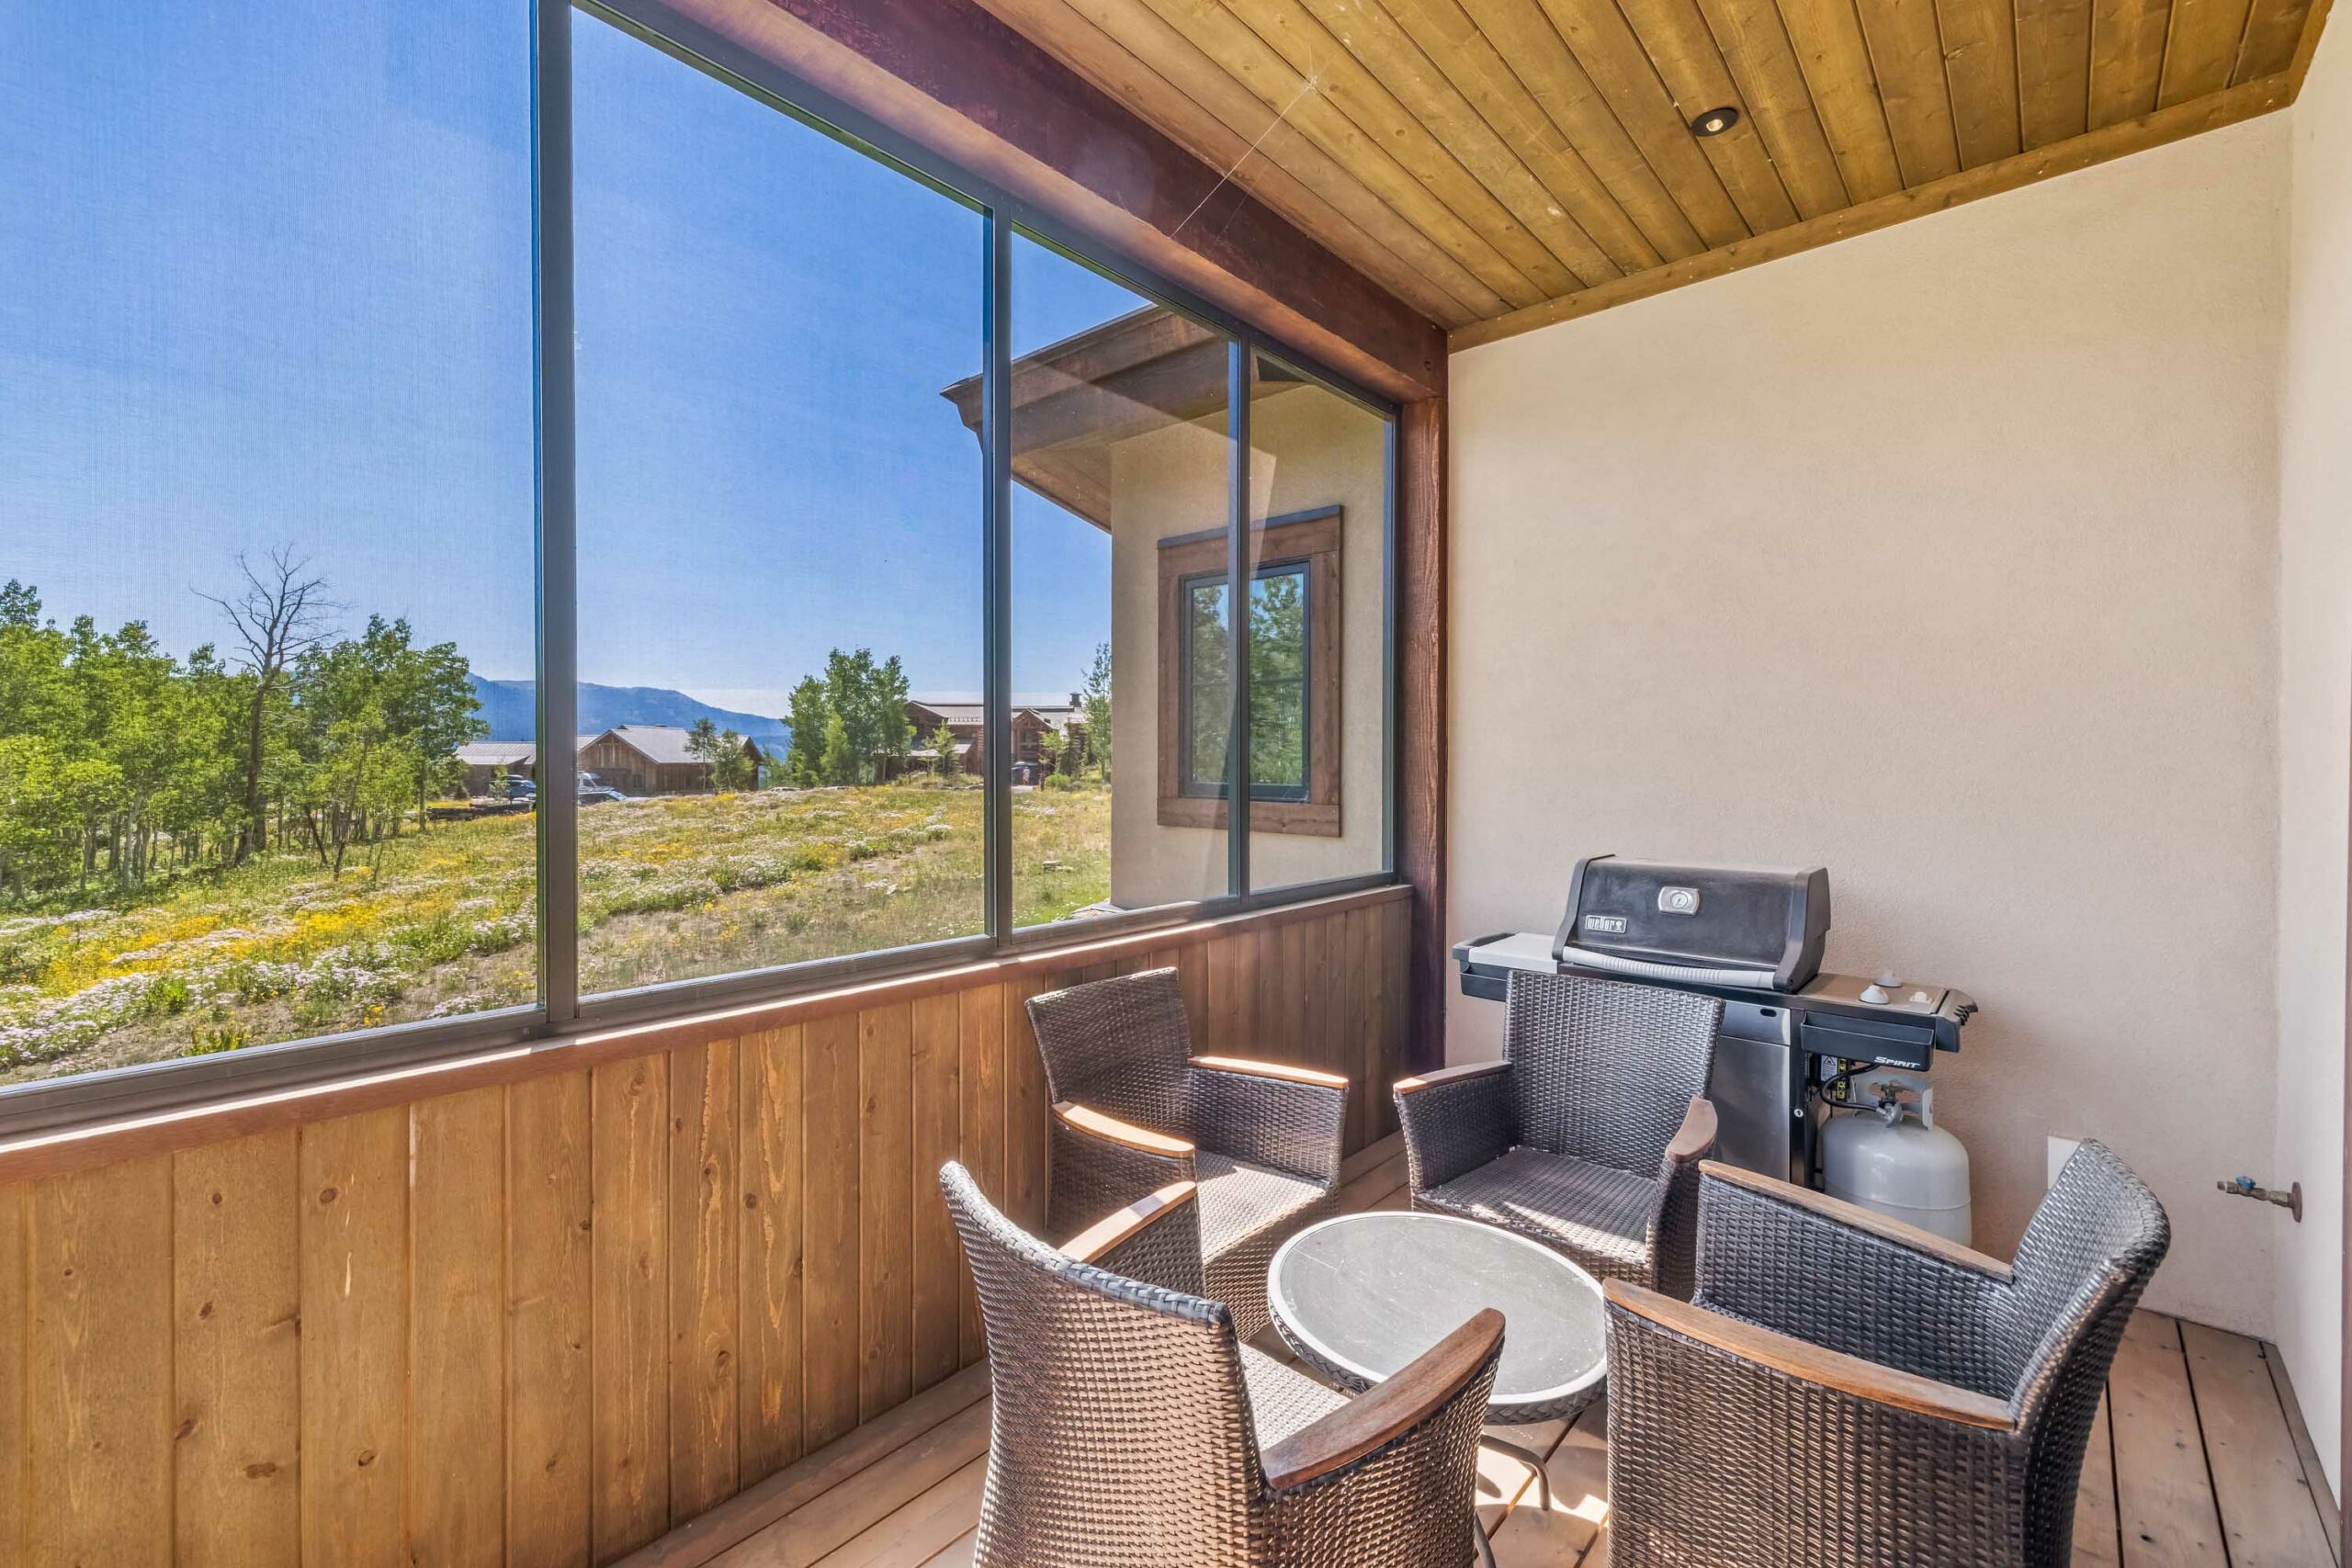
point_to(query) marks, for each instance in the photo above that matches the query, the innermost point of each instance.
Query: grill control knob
(1874, 995)
(1888, 978)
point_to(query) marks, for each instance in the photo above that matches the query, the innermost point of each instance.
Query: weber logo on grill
(1610, 925)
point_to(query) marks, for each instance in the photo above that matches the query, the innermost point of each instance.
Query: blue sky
(269, 272)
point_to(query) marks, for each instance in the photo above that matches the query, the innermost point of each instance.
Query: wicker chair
(1135, 1110)
(1846, 1390)
(1587, 1135)
(1131, 1426)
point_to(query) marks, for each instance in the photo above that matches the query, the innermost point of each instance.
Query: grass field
(443, 923)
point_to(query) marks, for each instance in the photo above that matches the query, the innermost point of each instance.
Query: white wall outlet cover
(2060, 1151)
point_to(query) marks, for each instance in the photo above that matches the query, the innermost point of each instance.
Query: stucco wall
(1945, 557)
(1311, 450)
(2315, 734)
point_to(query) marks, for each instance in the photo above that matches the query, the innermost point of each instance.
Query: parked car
(596, 793)
(521, 789)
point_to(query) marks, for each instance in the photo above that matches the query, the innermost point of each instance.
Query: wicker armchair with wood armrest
(1131, 1426)
(1134, 1111)
(1846, 1390)
(1586, 1136)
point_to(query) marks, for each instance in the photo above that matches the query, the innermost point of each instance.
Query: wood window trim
(1311, 538)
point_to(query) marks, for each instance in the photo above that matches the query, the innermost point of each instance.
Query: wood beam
(2315, 22)
(1421, 735)
(953, 80)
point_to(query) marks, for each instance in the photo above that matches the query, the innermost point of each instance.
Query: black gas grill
(1755, 939)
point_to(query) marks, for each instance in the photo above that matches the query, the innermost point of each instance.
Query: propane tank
(1889, 1155)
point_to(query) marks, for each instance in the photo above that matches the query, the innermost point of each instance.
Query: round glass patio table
(1361, 1296)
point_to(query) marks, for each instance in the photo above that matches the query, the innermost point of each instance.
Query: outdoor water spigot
(2246, 1187)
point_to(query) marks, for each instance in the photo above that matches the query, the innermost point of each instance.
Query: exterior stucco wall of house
(2315, 735)
(1311, 449)
(1945, 557)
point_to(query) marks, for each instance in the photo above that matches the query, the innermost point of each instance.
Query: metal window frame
(996, 616)
(46, 1106)
(556, 422)
(1241, 566)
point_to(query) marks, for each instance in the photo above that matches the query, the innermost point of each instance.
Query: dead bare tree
(281, 612)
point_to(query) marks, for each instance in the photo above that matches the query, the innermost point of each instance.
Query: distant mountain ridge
(510, 708)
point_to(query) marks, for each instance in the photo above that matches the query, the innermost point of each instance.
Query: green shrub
(438, 941)
(169, 997)
(212, 1041)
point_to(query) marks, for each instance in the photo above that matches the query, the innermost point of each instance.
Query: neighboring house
(636, 758)
(650, 759)
(485, 759)
(1034, 716)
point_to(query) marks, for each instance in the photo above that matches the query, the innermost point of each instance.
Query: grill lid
(1716, 925)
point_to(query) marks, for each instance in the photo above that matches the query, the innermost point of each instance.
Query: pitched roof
(964, 707)
(1041, 701)
(947, 712)
(662, 743)
(968, 716)
(496, 753)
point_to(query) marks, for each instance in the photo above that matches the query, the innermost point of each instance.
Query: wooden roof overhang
(1072, 401)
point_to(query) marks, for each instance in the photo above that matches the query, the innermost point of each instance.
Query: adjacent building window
(897, 544)
(1296, 693)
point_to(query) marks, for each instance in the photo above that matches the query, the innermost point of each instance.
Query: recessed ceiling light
(1715, 122)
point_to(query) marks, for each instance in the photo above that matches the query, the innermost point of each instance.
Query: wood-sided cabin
(651, 758)
(635, 758)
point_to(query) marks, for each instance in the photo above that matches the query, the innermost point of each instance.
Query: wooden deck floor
(2199, 1461)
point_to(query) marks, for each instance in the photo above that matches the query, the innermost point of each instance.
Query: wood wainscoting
(539, 1312)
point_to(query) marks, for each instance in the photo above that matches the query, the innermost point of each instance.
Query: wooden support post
(1421, 736)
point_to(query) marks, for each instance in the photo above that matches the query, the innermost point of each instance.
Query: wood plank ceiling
(1504, 164)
